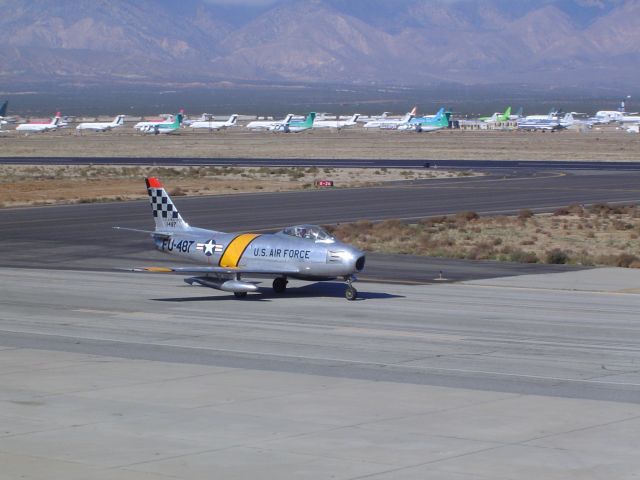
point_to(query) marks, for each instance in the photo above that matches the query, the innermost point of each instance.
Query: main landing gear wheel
(280, 285)
(350, 293)
(240, 294)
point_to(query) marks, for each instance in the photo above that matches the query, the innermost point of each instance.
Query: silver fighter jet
(305, 252)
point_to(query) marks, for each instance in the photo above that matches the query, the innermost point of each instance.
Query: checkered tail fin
(165, 213)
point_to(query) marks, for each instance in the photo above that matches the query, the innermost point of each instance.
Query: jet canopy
(312, 232)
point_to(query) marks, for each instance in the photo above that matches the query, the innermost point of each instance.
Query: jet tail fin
(165, 213)
(177, 120)
(308, 122)
(442, 117)
(3, 108)
(232, 120)
(354, 119)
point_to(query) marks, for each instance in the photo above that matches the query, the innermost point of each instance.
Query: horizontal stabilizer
(159, 233)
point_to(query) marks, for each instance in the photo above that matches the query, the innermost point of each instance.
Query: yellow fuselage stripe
(235, 249)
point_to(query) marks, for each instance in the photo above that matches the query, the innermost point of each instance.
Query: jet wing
(264, 270)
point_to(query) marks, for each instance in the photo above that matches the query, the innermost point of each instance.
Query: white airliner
(269, 124)
(214, 125)
(40, 127)
(372, 118)
(205, 117)
(611, 116)
(102, 126)
(629, 119)
(391, 123)
(149, 125)
(337, 124)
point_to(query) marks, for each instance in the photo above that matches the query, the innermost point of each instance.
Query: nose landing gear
(350, 293)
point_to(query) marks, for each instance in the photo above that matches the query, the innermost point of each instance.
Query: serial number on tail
(170, 245)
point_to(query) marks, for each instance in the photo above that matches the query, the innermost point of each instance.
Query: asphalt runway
(82, 237)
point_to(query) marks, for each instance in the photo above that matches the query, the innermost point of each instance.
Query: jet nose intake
(350, 257)
(355, 259)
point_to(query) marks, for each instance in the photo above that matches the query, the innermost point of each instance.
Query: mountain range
(369, 42)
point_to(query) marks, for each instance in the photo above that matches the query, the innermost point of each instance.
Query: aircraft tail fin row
(165, 213)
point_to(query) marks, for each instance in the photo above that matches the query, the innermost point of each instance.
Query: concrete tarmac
(113, 375)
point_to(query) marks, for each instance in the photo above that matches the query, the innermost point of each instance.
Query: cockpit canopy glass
(312, 232)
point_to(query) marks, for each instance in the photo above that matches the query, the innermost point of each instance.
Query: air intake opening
(360, 263)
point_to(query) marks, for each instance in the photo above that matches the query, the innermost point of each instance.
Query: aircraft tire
(350, 293)
(280, 285)
(240, 294)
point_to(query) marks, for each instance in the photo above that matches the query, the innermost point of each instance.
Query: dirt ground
(606, 144)
(53, 184)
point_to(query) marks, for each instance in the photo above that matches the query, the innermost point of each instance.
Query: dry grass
(51, 184)
(597, 235)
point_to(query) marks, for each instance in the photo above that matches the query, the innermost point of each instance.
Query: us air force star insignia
(209, 247)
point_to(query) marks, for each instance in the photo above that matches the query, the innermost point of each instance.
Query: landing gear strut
(280, 284)
(350, 293)
(239, 294)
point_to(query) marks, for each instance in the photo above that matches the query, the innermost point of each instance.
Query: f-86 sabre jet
(305, 252)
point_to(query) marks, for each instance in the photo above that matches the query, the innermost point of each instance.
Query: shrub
(576, 209)
(467, 216)
(620, 225)
(556, 257)
(626, 260)
(561, 212)
(524, 214)
(430, 222)
(523, 257)
(480, 251)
